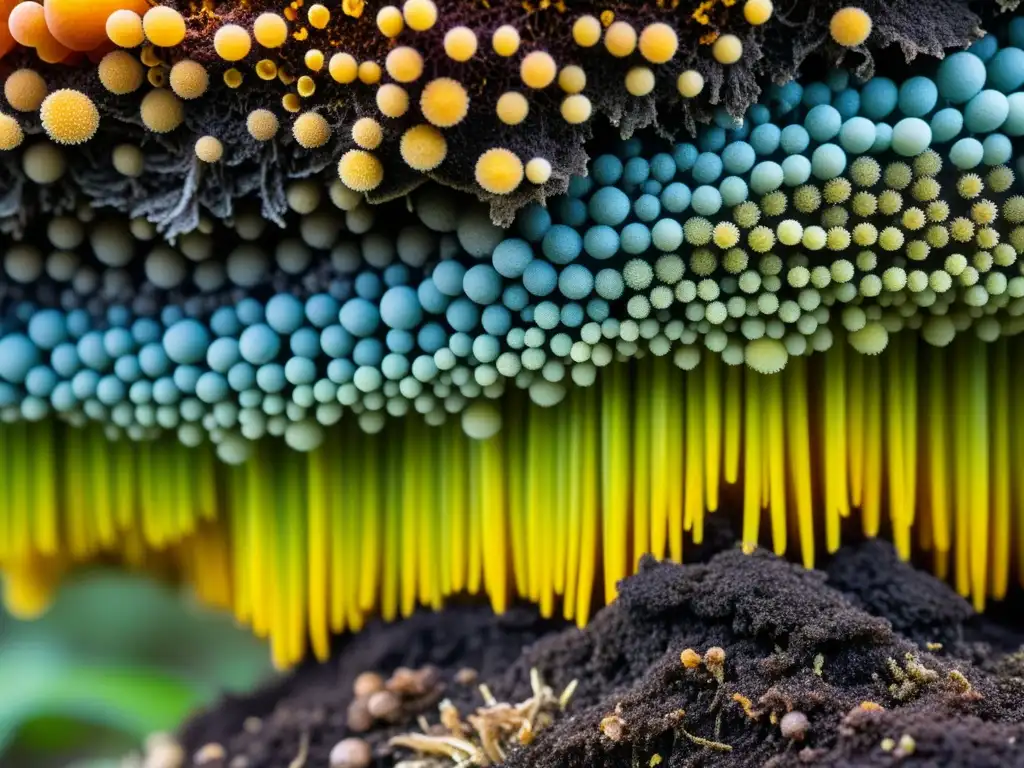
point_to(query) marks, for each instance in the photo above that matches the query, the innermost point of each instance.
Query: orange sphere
(27, 24)
(81, 25)
(6, 41)
(51, 51)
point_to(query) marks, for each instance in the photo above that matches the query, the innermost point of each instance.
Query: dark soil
(821, 643)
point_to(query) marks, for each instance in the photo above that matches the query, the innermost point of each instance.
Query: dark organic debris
(786, 671)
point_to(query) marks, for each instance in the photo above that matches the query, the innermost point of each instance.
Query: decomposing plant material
(486, 737)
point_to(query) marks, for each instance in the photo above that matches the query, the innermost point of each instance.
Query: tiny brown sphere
(715, 657)
(384, 705)
(614, 727)
(367, 684)
(351, 753)
(162, 751)
(209, 754)
(403, 681)
(25, 90)
(794, 725)
(466, 676)
(427, 678)
(358, 717)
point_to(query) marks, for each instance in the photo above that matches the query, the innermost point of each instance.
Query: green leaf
(135, 701)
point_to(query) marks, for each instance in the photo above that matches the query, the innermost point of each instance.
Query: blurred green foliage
(116, 658)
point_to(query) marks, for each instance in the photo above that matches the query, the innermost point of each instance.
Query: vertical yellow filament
(541, 449)
(573, 480)
(516, 451)
(908, 381)
(614, 476)
(364, 515)
(798, 455)
(676, 462)
(977, 458)
(662, 477)
(733, 422)
(318, 542)
(895, 446)
(962, 434)
(7, 551)
(998, 417)
(590, 507)
(752, 461)
(239, 522)
(293, 513)
(712, 430)
(261, 566)
(430, 527)
(693, 484)
(410, 532)
(834, 442)
(457, 504)
(304, 546)
(99, 475)
(1017, 463)
(21, 492)
(939, 481)
(641, 429)
(560, 527)
(855, 426)
(492, 481)
(774, 443)
(392, 555)
(873, 447)
(45, 519)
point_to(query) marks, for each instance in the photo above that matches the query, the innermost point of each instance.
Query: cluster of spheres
(305, 64)
(834, 211)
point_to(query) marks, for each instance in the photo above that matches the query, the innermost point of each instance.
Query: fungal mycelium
(338, 311)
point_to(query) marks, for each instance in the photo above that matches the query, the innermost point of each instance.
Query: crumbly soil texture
(888, 665)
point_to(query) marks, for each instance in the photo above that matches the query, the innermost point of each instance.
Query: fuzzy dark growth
(176, 187)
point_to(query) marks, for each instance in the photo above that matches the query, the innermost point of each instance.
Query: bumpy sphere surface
(69, 116)
(850, 26)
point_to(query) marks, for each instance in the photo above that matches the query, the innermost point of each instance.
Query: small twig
(705, 742)
(570, 689)
(488, 742)
(489, 699)
(448, 746)
(300, 758)
(485, 737)
(535, 683)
